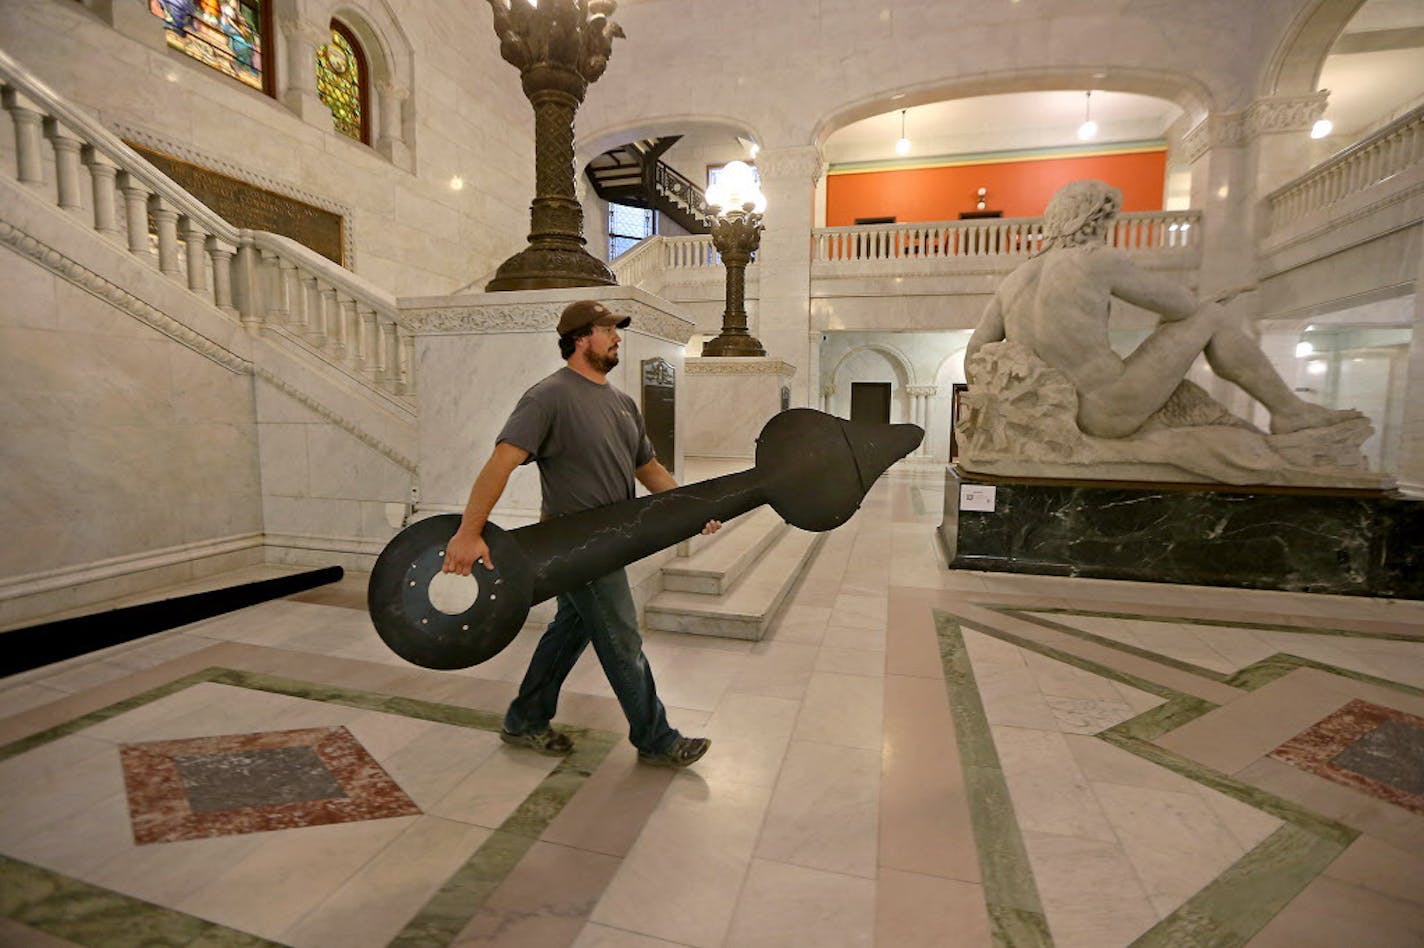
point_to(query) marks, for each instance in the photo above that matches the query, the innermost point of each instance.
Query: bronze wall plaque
(660, 408)
(246, 205)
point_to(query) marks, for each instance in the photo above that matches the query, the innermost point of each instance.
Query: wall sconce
(982, 193)
(1089, 128)
(902, 147)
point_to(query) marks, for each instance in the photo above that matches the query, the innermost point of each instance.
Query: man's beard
(603, 363)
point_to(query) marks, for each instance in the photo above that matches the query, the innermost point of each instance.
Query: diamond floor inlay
(1372, 748)
(247, 783)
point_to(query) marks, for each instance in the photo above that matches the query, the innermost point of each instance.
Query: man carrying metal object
(588, 439)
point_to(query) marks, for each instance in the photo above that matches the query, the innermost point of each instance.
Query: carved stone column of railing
(788, 179)
(66, 165)
(390, 105)
(103, 175)
(310, 295)
(221, 254)
(365, 359)
(343, 320)
(165, 222)
(920, 397)
(27, 116)
(195, 250)
(135, 215)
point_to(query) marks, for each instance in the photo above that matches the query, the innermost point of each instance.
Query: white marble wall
(117, 444)
(728, 400)
(327, 496)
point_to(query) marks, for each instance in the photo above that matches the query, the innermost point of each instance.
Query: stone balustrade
(1167, 237)
(274, 285)
(1395, 148)
(1172, 232)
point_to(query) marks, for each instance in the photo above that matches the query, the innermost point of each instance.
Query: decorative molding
(1217, 130)
(1286, 113)
(115, 295)
(66, 577)
(184, 152)
(341, 421)
(536, 317)
(738, 365)
(921, 389)
(805, 162)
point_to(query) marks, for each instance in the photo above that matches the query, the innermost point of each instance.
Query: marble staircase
(733, 583)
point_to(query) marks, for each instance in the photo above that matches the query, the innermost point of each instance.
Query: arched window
(343, 82)
(229, 35)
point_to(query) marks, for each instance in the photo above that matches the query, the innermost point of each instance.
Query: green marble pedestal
(1364, 543)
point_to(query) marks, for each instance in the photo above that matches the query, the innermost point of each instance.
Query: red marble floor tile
(337, 781)
(1365, 746)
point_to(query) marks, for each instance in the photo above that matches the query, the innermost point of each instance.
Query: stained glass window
(225, 34)
(341, 82)
(626, 226)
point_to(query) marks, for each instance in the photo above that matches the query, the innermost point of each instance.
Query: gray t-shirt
(586, 438)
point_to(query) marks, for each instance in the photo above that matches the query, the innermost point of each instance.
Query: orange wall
(1018, 188)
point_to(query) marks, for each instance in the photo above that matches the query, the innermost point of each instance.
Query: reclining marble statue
(1049, 397)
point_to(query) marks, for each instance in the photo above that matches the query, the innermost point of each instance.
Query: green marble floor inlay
(1015, 912)
(1248, 678)
(1217, 623)
(1228, 911)
(91, 915)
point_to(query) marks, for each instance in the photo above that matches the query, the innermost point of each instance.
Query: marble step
(715, 567)
(748, 608)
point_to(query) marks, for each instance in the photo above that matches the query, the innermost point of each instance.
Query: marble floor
(913, 756)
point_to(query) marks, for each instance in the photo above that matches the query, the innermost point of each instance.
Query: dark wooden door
(870, 401)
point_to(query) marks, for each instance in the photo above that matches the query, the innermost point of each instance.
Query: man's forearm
(488, 488)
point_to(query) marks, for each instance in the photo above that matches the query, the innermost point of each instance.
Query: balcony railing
(1171, 231)
(1173, 237)
(1393, 149)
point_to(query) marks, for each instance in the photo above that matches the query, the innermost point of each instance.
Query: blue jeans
(602, 612)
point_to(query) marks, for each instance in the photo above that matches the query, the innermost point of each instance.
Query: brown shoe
(684, 752)
(548, 741)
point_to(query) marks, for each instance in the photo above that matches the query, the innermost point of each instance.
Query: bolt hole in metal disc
(440, 620)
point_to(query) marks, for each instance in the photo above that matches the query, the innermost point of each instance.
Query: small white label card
(976, 497)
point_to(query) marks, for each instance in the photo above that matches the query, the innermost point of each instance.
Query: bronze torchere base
(733, 344)
(545, 268)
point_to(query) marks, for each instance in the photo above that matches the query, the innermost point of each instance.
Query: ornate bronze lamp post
(737, 205)
(559, 47)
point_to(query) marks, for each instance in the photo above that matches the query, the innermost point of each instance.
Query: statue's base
(1362, 543)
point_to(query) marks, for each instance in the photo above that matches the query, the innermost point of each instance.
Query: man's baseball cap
(589, 313)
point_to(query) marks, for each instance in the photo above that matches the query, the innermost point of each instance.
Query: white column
(390, 105)
(66, 164)
(165, 221)
(27, 116)
(301, 40)
(221, 255)
(783, 309)
(195, 242)
(102, 175)
(1411, 438)
(135, 214)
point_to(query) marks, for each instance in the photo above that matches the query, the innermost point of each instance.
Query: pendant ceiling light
(902, 147)
(1089, 129)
